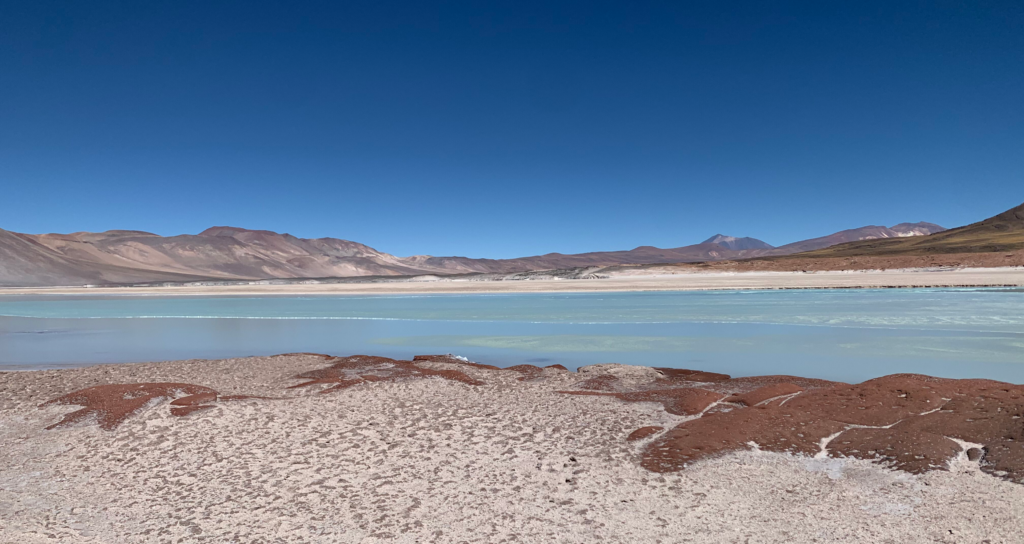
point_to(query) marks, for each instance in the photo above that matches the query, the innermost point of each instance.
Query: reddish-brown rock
(451, 359)
(761, 394)
(683, 401)
(528, 372)
(687, 375)
(604, 382)
(112, 404)
(348, 371)
(905, 420)
(749, 383)
(901, 446)
(643, 432)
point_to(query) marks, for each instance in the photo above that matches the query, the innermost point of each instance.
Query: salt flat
(669, 279)
(436, 460)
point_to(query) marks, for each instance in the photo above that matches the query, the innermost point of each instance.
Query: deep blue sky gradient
(501, 129)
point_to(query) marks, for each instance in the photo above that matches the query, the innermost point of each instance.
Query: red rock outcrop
(529, 372)
(907, 421)
(604, 382)
(643, 432)
(762, 394)
(451, 359)
(111, 404)
(681, 402)
(676, 375)
(357, 369)
(911, 422)
(749, 383)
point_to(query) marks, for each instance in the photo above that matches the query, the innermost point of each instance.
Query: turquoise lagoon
(848, 335)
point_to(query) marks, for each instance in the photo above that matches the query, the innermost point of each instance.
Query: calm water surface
(848, 335)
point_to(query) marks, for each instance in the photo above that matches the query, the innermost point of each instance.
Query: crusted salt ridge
(911, 422)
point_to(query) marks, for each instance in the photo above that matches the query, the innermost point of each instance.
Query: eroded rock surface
(765, 394)
(910, 422)
(644, 432)
(356, 369)
(111, 404)
(436, 460)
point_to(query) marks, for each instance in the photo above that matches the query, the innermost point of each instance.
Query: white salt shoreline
(684, 281)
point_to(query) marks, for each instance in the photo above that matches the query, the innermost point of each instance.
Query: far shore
(686, 281)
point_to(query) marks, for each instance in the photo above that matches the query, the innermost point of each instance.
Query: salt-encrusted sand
(451, 453)
(668, 278)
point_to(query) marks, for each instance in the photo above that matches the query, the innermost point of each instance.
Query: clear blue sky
(500, 129)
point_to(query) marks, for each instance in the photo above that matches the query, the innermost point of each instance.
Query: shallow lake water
(848, 335)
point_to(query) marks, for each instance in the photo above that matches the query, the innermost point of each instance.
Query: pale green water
(840, 334)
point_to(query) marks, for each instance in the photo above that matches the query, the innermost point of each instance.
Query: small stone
(975, 454)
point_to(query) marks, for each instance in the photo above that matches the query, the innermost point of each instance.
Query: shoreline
(688, 281)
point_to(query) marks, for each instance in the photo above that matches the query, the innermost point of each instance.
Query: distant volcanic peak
(916, 229)
(737, 244)
(232, 231)
(235, 231)
(1002, 233)
(232, 253)
(249, 234)
(84, 236)
(222, 231)
(118, 233)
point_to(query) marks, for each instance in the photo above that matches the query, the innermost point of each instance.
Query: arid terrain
(225, 256)
(1000, 234)
(313, 448)
(228, 253)
(614, 279)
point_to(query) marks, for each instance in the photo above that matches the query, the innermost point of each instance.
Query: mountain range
(1001, 233)
(230, 253)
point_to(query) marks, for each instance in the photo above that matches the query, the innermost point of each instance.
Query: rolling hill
(1004, 232)
(231, 253)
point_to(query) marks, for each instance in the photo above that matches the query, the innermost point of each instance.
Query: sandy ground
(638, 280)
(432, 460)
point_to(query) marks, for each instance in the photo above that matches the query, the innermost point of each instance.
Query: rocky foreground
(313, 448)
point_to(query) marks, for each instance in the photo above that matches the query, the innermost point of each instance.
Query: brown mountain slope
(1004, 232)
(26, 262)
(551, 261)
(230, 253)
(873, 232)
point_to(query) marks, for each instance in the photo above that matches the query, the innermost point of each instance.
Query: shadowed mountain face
(230, 253)
(1004, 232)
